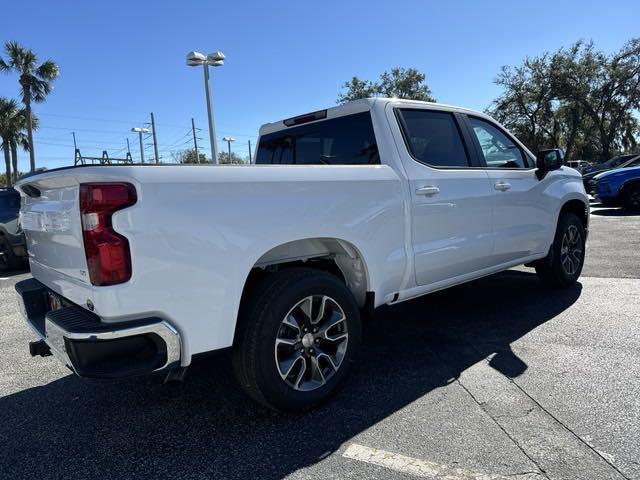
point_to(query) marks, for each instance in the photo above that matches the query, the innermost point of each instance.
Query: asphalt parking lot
(499, 378)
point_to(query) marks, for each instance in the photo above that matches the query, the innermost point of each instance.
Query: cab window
(498, 150)
(347, 140)
(432, 137)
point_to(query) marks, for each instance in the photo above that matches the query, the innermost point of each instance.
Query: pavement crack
(482, 406)
(529, 410)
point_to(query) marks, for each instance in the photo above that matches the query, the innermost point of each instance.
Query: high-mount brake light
(107, 252)
(307, 117)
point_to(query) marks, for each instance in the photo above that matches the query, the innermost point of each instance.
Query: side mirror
(548, 160)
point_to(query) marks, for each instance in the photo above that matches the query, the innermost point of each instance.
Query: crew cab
(377, 201)
(618, 188)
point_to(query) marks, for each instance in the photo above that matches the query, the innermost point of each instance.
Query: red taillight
(107, 252)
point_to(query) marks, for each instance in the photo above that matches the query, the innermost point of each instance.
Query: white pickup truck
(139, 268)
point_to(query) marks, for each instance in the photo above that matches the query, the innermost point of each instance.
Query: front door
(522, 213)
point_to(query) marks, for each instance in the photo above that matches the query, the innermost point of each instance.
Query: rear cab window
(346, 140)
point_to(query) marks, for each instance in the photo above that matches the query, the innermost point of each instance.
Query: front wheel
(631, 200)
(563, 264)
(299, 333)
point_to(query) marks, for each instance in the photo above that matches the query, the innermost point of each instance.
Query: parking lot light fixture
(229, 140)
(140, 131)
(215, 59)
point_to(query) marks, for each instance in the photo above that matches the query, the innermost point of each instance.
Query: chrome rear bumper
(92, 348)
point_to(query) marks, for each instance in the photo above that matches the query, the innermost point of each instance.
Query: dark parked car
(623, 161)
(12, 244)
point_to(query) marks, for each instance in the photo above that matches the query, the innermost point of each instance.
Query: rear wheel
(299, 333)
(631, 200)
(563, 264)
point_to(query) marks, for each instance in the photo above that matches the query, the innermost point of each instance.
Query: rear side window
(433, 138)
(347, 140)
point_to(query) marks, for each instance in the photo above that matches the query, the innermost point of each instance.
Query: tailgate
(50, 218)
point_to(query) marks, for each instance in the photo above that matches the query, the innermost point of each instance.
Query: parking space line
(423, 468)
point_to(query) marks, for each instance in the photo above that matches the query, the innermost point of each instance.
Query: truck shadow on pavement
(206, 428)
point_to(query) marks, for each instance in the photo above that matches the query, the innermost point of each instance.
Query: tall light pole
(140, 131)
(229, 140)
(215, 59)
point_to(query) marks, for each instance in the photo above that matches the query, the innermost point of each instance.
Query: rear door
(450, 196)
(522, 213)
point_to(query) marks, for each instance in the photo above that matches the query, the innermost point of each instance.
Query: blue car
(620, 187)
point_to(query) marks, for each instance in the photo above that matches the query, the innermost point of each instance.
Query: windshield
(632, 163)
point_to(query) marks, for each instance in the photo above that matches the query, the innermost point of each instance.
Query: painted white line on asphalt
(421, 468)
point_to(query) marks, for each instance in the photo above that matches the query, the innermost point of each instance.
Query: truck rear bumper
(96, 349)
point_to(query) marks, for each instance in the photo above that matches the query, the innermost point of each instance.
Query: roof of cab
(362, 105)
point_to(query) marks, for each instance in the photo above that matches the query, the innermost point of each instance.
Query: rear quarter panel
(196, 232)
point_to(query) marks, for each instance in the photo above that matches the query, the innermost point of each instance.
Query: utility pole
(212, 136)
(141, 146)
(128, 148)
(195, 141)
(75, 147)
(155, 140)
(250, 157)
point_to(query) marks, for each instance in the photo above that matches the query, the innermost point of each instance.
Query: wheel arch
(334, 255)
(632, 182)
(578, 207)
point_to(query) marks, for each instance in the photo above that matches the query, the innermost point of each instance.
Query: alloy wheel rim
(635, 198)
(571, 253)
(311, 343)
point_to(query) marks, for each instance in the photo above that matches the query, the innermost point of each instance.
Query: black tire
(8, 261)
(256, 356)
(555, 270)
(631, 198)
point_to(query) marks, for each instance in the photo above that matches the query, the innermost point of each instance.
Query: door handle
(427, 191)
(502, 186)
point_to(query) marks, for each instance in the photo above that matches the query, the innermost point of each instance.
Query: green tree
(577, 98)
(406, 83)
(13, 124)
(223, 158)
(8, 112)
(185, 157)
(35, 82)
(606, 87)
(20, 138)
(529, 106)
(356, 89)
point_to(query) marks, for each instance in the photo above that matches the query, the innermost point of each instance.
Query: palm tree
(13, 124)
(35, 82)
(8, 111)
(19, 138)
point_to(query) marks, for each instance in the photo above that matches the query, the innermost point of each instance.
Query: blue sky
(121, 60)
